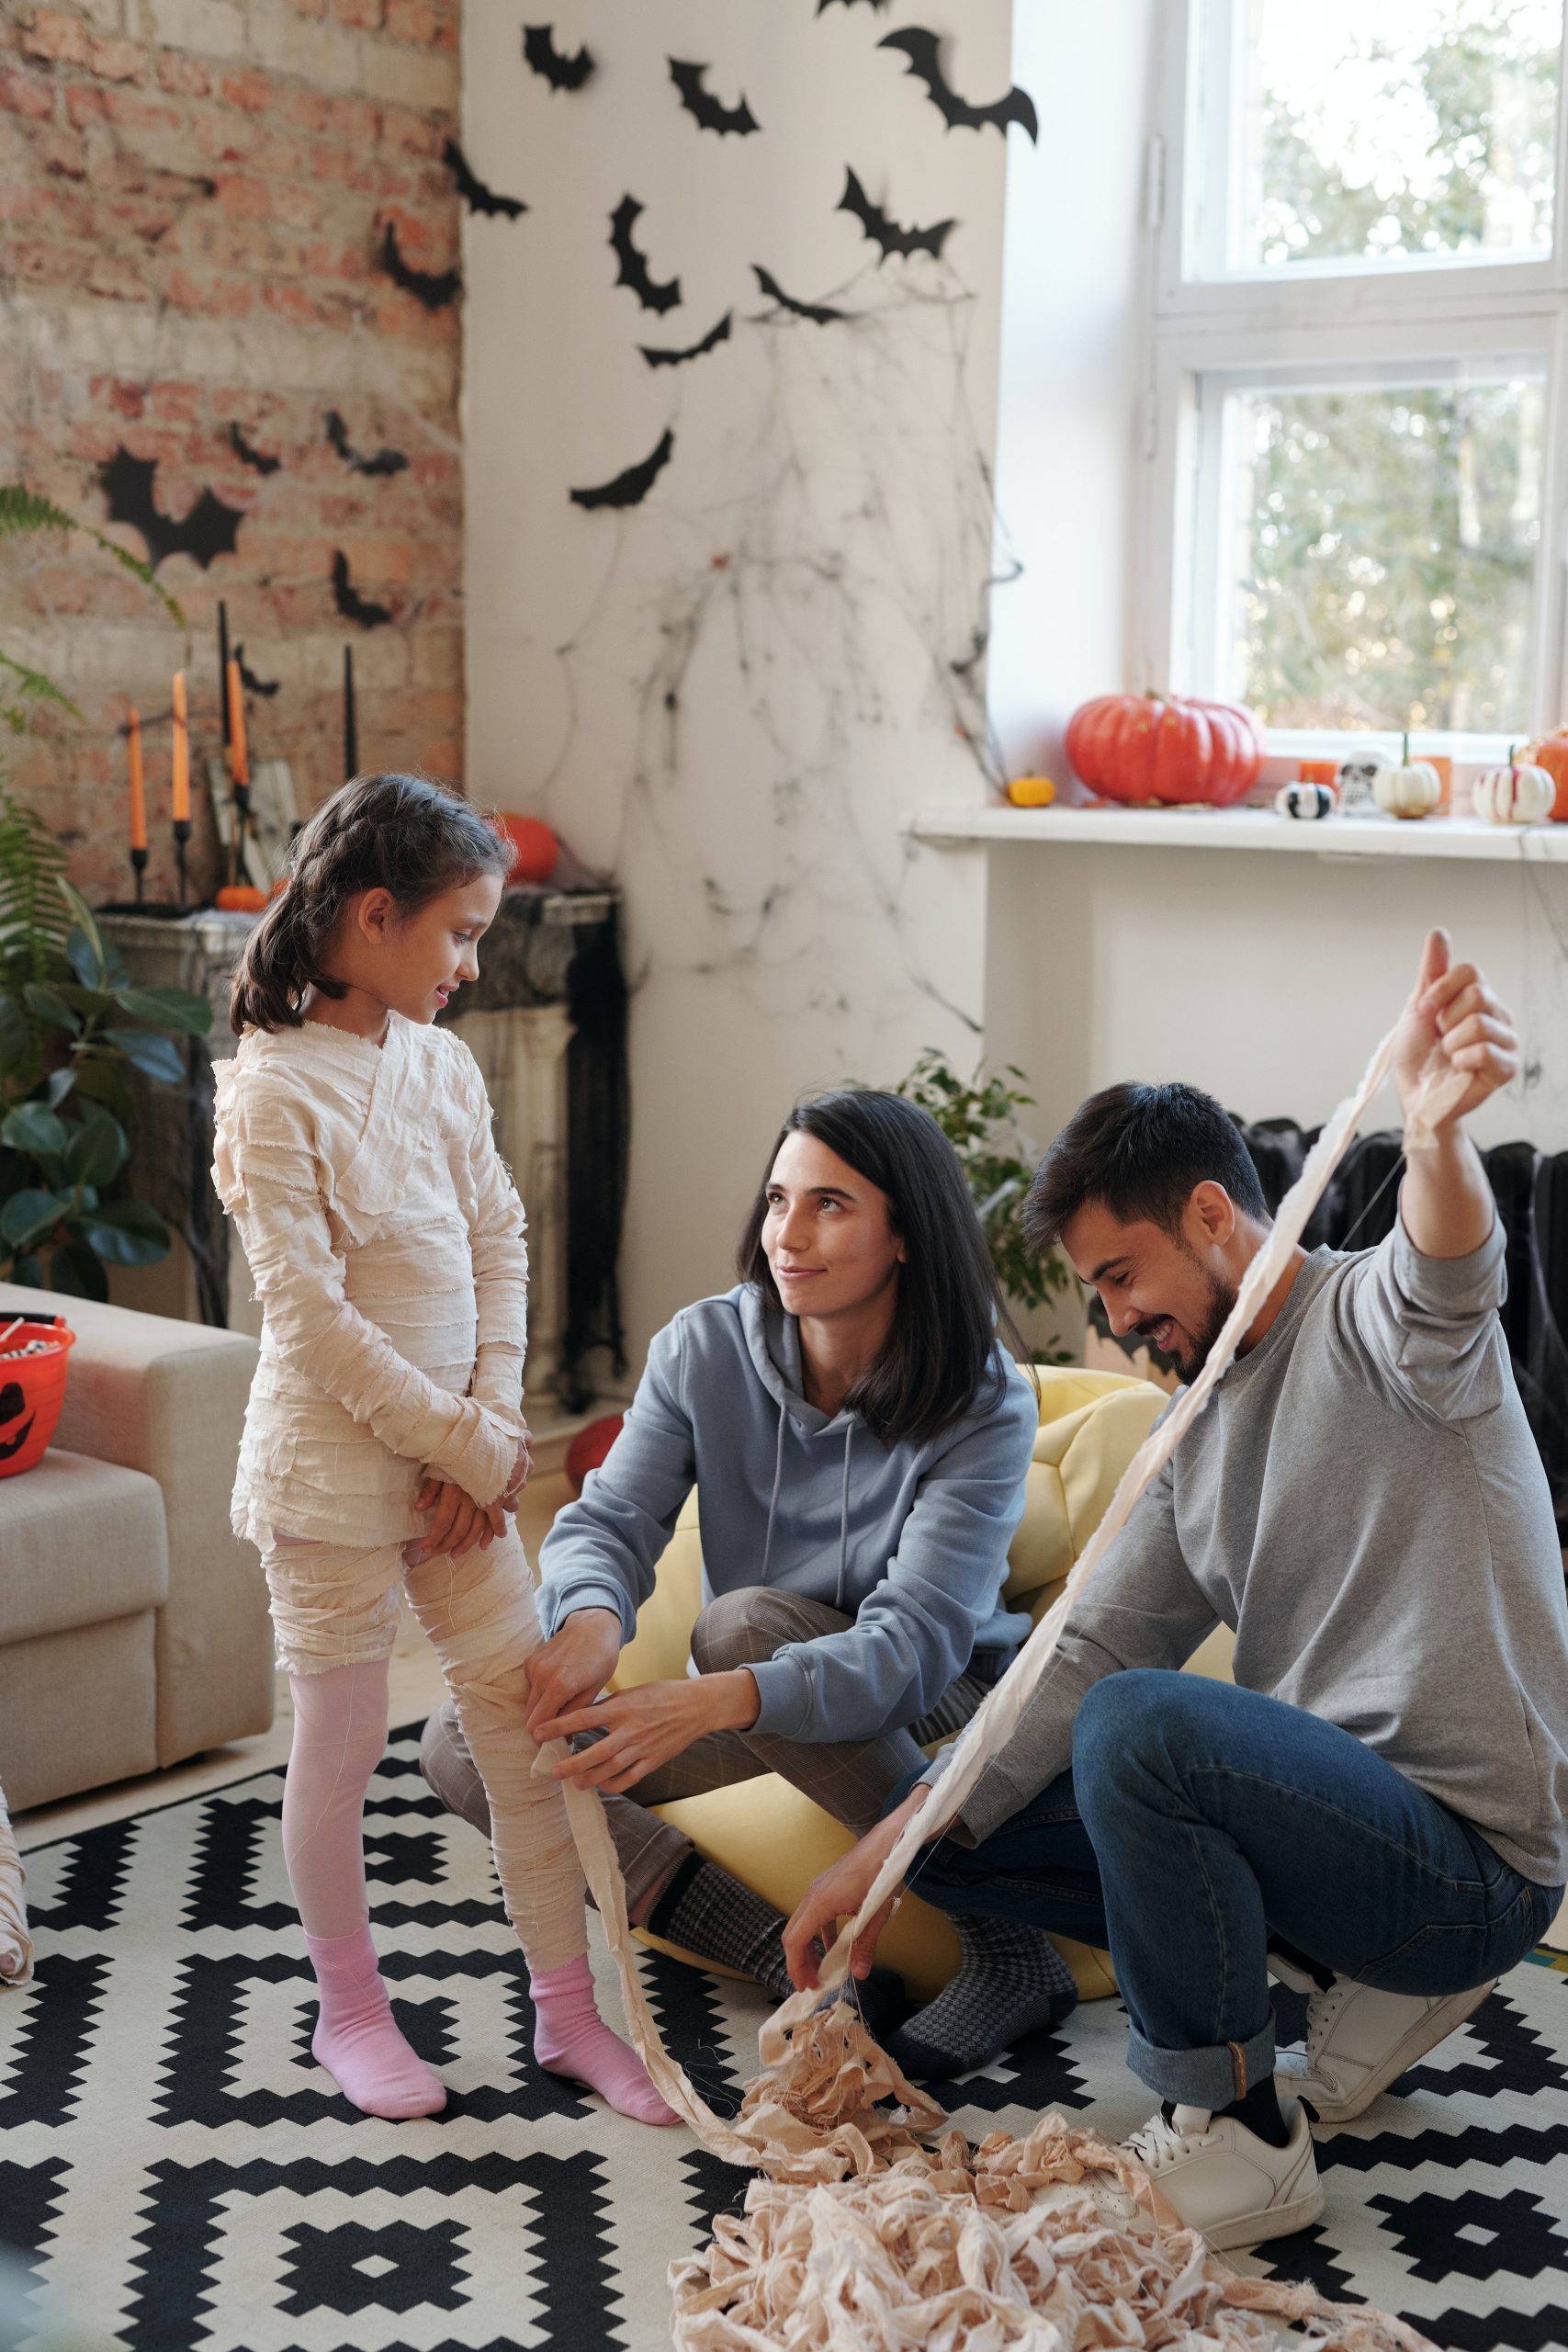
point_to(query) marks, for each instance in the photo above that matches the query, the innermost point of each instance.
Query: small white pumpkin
(1307, 801)
(1517, 794)
(1412, 789)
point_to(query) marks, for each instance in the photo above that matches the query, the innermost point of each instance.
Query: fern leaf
(23, 510)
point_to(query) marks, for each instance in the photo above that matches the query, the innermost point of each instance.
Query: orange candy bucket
(33, 1389)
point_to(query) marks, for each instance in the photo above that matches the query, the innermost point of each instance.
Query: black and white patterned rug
(176, 2172)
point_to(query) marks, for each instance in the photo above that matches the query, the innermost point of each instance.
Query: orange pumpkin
(1551, 754)
(1166, 747)
(536, 846)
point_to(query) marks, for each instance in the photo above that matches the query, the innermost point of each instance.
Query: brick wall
(193, 194)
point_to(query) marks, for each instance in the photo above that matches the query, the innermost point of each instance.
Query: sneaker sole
(1433, 2028)
(1275, 2221)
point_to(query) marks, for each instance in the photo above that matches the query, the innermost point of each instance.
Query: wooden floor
(416, 1688)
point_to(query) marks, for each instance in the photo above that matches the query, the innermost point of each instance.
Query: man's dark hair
(1141, 1151)
(941, 1359)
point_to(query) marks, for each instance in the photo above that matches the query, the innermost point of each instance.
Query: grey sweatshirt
(910, 1540)
(1363, 1503)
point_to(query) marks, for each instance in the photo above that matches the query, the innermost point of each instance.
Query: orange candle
(137, 794)
(181, 809)
(239, 759)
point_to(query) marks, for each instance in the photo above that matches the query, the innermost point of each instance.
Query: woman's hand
(645, 1726)
(838, 1893)
(572, 1667)
(457, 1522)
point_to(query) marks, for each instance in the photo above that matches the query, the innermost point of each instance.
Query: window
(1358, 428)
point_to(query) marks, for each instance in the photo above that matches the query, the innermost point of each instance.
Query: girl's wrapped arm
(266, 1170)
(498, 1239)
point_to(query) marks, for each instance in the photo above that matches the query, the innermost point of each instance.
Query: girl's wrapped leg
(479, 1612)
(332, 1604)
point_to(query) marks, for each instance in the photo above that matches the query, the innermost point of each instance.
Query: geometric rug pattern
(176, 2172)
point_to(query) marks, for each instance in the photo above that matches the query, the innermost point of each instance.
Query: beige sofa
(133, 1625)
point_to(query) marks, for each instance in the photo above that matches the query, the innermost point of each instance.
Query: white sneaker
(1217, 2177)
(1358, 2039)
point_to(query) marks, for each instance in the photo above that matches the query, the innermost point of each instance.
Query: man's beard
(1189, 1362)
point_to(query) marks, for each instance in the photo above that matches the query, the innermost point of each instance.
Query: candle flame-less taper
(238, 756)
(138, 788)
(180, 803)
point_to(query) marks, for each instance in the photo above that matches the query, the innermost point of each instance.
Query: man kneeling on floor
(1374, 1813)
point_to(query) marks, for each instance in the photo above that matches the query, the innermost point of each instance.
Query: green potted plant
(74, 1025)
(979, 1118)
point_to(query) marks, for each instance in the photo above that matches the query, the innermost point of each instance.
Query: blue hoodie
(909, 1539)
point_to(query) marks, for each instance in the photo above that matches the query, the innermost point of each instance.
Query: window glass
(1381, 548)
(1393, 131)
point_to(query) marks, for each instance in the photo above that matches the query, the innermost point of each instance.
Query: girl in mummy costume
(383, 1446)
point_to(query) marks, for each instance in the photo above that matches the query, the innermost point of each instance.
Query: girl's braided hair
(393, 832)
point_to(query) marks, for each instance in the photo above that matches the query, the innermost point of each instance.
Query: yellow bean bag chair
(773, 1838)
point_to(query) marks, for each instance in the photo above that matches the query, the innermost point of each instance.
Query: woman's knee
(738, 1628)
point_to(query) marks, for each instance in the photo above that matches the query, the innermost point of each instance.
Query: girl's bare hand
(457, 1522)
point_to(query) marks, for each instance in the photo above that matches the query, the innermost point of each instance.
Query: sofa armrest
(168, 1399)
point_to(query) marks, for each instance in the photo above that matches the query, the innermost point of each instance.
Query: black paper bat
(257, 459)
(434, 291)
(885, 231)
(710, 342)
(632, 487)
(350, 602)
(819, 312)
(562, 72)
(703, 107)
(251, 682)
(634, 269)
(474, 193)
(207, 531)
(848, 4)
(13, 1402)
(385, 462)
(922, 48)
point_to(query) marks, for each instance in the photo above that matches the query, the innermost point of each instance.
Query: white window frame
(1365, 318)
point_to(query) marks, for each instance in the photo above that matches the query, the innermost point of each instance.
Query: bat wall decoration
(207, 530)
(267, 687)
(923, 51)
(885, 231)
(257, 460)
(348, 600)
(705, 109)
(633, 271)
(473, 191)
(820, 313)
(710, 342)
(435, 289)
(385, 462)
(540, 53)
(632, 487)
(848, 4)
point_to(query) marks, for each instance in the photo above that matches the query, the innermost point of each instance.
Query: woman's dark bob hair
(941, 1359)
(393, 832)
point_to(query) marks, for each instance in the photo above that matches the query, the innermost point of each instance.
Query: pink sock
(357, 2038)
(571, 2038)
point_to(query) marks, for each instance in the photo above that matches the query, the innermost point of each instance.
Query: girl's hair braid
(393, 832)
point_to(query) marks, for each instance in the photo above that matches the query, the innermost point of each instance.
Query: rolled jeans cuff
(1209, 2078)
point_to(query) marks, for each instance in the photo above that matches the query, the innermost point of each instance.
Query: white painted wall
(727, 695)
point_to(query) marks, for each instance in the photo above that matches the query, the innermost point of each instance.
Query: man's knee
(740, 1628)
(449, 1770)
(1130, 1723)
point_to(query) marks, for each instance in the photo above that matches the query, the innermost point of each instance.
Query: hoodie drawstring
(844, 1521)
(843, 1511)
(774, 1498)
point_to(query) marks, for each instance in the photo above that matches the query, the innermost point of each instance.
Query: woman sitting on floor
(858, 1438)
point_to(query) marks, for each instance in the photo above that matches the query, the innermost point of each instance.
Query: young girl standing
(383, 1446)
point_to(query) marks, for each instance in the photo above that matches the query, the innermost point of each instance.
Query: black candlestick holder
(242, 820)
(182, 836)
(138, 867)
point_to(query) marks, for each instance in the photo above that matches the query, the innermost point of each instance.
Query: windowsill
(1253, 829)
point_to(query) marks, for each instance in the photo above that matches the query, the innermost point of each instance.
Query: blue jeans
(1200, 1823)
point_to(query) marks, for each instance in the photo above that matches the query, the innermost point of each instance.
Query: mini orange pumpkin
(1551, 752)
